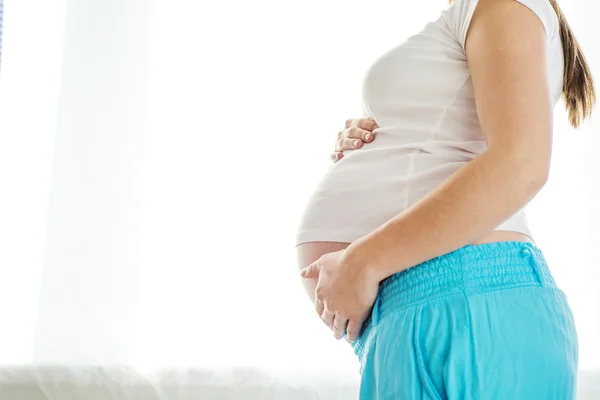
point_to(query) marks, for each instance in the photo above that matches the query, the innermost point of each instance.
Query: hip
(484, 322)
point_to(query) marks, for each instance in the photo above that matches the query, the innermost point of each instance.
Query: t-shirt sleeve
(459, 16)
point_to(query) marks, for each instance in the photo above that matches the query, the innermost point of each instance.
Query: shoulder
(460, 14)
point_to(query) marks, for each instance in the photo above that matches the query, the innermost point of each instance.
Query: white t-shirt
(420, 94)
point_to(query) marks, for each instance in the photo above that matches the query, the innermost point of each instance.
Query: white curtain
(155, 157)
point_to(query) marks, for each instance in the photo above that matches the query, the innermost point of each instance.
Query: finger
(356, 133)
(327, 318)
(353, 330)
(367, 124)
(312, 271)
(344, 144)
(339, 326)
(319, 307)
(336, 156)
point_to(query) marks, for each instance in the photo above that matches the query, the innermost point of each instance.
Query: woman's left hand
(345, 292)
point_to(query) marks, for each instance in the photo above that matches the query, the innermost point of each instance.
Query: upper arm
(505, 44)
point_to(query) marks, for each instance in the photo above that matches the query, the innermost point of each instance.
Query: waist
(470, 270)
(500, 235)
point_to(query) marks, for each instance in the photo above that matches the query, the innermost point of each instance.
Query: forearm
(472, 202)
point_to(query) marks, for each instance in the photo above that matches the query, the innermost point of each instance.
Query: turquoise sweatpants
(483, 322)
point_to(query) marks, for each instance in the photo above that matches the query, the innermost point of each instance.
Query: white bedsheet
(122, 383)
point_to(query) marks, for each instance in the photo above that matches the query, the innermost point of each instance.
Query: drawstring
(534, 265)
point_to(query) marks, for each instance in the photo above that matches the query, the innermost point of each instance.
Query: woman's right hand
(356, 132)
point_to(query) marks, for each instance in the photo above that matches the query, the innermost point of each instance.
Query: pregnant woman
(415, 245)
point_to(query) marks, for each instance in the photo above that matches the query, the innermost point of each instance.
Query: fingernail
(303, 272)
(356, 143)
(368, 136)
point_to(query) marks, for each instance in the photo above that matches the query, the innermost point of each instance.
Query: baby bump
(367, 188)
(309, 252)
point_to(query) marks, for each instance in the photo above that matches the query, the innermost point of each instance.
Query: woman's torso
(421, 95)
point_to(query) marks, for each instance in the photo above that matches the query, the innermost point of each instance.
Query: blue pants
(483, 322)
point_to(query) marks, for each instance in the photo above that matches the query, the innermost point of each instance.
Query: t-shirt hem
(320, 235)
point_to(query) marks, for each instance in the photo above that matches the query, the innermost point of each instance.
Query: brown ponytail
(578, 85)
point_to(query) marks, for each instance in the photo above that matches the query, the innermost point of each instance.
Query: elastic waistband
(471, 269)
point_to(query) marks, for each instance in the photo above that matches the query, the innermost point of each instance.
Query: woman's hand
(345, 292)
(356, 132)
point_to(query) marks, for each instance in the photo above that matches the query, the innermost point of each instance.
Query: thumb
(312, 271)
